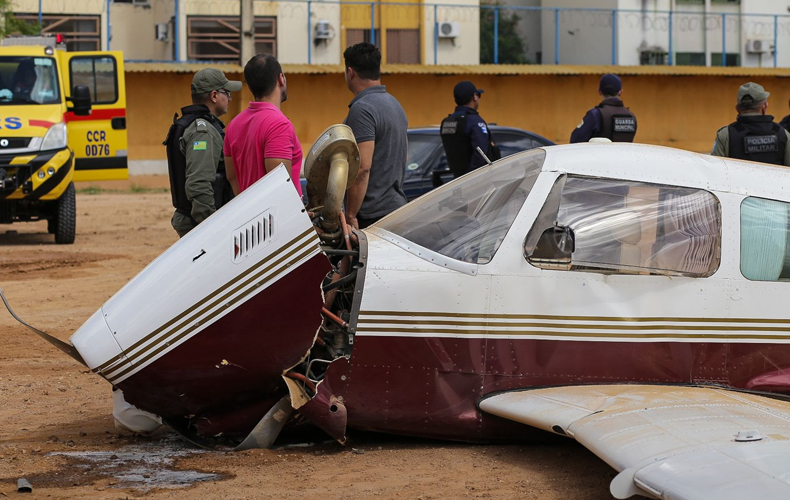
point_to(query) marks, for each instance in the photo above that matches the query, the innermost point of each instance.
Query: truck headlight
(55, 137)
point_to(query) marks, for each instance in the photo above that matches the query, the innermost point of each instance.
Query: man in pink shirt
(261, 137)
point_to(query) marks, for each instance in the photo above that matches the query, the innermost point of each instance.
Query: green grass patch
(134, 189)
(142, 189)
(91, 190)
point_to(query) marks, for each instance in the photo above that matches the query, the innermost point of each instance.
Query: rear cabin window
(765, 240)
(635, 228)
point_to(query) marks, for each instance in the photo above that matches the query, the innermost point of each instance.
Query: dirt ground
(57, 431)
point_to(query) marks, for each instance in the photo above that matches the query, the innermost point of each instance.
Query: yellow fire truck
(62, 119)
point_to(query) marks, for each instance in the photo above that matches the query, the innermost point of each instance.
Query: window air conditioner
(757, 46)
(323, 30)
(161, 31)
(449, 29)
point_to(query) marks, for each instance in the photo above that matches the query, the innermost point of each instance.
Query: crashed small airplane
(627, 296)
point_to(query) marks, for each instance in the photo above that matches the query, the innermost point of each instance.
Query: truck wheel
(65, 221)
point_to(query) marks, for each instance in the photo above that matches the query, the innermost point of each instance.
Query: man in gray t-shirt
(379, 125)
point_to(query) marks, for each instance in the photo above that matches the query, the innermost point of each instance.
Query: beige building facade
(411, 32)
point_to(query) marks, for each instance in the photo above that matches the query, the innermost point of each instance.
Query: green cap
(751, 93)
(210, 79)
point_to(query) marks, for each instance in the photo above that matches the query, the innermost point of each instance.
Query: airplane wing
(668, 442)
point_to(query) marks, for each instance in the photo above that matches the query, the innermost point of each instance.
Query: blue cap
(610, 84)
(464, 91)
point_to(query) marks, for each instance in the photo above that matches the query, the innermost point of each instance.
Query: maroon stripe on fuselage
(238, 360)
(430, 386)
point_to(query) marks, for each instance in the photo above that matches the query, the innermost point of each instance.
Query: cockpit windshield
(468, 219)
(28, 80)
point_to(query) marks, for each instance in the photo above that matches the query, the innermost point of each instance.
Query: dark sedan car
(427, 159)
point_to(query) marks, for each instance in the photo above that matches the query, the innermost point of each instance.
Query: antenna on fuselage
(483, 155)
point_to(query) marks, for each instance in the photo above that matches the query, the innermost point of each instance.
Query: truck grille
(13, 177)
(14, 142)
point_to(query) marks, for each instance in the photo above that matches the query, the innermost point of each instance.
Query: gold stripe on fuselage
(568, 318)
(161, 334)
(402, 323)
(580, 326)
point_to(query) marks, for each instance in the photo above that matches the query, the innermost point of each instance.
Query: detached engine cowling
(330, 168)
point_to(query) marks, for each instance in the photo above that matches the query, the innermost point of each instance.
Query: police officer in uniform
(610, 119)
(195, 160)
(754, 135)
(464, 131)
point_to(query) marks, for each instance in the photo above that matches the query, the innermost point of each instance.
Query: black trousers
(363, 223)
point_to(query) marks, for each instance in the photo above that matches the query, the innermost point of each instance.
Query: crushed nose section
(243, 320)
(201, 337)
(325, 407)
(130, 417)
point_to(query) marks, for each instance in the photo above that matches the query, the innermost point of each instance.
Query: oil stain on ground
(137, 467)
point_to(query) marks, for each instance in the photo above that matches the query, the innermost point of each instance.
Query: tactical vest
(757, 138)
(457, 145)
(177, 161)
(617, 122)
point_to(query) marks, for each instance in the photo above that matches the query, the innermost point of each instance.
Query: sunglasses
(226, 93)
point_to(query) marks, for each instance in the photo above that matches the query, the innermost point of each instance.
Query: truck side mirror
(80, 100)
(554, 248)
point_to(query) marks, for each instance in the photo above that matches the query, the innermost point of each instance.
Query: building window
(403, 46)
(81, 33)
(732, 59)
(698, 59)
(765, 239)
(690, 58)
(624, 227)
(355, 36)
(217, 38)
(654, 57)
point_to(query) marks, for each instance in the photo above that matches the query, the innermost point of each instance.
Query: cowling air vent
(253, 236)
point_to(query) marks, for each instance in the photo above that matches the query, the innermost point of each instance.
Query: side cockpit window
(627, 227)
(765, 240)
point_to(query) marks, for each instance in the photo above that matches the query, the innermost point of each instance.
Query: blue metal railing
(504, 14)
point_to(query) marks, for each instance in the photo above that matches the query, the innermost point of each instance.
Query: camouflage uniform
(202, 145)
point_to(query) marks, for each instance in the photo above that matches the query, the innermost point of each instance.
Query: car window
(510, 143)
(421, 148)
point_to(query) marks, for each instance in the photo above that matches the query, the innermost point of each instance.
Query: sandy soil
(56, 428)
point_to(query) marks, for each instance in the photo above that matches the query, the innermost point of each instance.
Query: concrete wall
(678, 111)
(584, 37)
(464, 49)
(134, 30)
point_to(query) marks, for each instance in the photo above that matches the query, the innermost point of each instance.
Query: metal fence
(498, 33)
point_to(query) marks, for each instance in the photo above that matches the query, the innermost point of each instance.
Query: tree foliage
(511, 46)
(10, 25)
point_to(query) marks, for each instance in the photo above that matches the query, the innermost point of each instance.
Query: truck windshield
(28, 80)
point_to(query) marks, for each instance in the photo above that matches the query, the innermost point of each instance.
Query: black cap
(464, 91)
(610, 84)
